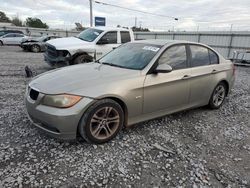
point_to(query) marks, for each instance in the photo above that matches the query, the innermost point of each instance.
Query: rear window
(199, 56)
(19, 35)
(125, 37)
(213, 57)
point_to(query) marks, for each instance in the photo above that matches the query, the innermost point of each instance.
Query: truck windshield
(131, 56)
(89, 34)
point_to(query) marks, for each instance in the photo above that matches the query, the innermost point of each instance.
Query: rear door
(102, 49)
(125, 36)
(168, 91)
(18, 38)
(203, 63)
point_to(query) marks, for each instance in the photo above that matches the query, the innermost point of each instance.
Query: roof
(163, 42)
(110, 28)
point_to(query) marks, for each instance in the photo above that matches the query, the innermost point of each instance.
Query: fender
(90, 53)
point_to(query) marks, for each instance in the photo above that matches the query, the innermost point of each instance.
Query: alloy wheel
(104, 123)
(35, 48)
(219, 95)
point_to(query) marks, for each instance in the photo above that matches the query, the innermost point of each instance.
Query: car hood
(65, 43)
(90, 79)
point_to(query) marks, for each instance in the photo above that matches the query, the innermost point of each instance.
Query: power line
(144, 12)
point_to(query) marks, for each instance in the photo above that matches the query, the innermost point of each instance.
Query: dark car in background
(4, 32)
(36, 44)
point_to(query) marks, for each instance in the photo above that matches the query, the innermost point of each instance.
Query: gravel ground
(194, 148)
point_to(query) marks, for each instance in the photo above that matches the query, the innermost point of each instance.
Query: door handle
(186, 77)
(214, 71)
(114, 48)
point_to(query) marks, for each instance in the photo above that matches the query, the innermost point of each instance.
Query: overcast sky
(192, 14)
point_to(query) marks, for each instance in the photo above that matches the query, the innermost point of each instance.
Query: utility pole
(231, 28)
(140, 23)
(135, 21)
(91, 13)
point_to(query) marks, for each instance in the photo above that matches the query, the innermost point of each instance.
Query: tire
(1, 43)
(82, 59)
(218, 96)
(101, 122)
(24, 49)
(35, 48)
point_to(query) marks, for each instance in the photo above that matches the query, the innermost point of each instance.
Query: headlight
(61, 101)
(63, 53)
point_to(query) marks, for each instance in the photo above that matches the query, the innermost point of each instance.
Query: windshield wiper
(113, 65)
(97, 61)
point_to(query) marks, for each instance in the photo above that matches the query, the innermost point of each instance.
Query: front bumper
(52, 61)
(59, 123)
(24, 46)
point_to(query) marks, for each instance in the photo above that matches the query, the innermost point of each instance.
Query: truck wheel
(35, 48)
(1, 43)
(82, 59)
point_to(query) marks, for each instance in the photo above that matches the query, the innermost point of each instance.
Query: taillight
(234, 69)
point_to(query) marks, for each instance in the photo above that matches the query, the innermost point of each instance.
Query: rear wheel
(82, 59)
(218, 96)
(35, 48)
(101, 122)
(1, 43)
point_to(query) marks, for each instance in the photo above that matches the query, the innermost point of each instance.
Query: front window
(9, 35)
(111, 37)
(89, 34)
(175, 56)
(131, 56)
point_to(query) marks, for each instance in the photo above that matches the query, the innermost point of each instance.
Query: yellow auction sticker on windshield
(151, 48)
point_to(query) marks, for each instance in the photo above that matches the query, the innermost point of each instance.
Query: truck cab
(90, 45)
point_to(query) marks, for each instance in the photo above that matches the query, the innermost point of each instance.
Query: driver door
(168, 92)
(112, 42)
(9, 39)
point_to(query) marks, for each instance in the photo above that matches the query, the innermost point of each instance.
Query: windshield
(131, 55)
(89, 34)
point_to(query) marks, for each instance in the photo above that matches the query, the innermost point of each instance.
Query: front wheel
(82, 59)
(218, 96)
(101, 122)
(1, 43)
(35, 48)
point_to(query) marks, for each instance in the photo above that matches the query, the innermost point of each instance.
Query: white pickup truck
(89, 45)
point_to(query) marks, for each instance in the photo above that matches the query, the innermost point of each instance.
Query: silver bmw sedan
(136, 82)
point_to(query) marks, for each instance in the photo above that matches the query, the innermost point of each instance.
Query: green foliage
(17, 22)
(35, 22)
(4, 18)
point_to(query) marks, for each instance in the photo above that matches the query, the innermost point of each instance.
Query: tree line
(29, 22)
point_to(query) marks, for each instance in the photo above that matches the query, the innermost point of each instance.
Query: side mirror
(103, 41)
(163, 68)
